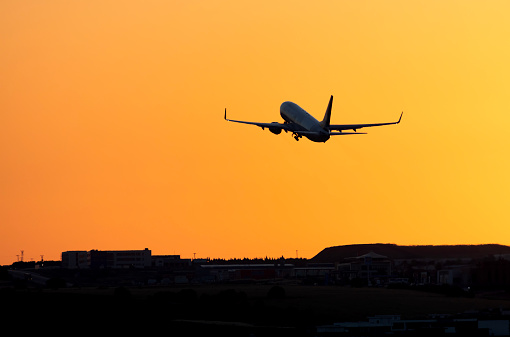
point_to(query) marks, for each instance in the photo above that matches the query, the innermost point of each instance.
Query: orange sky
(112, 133)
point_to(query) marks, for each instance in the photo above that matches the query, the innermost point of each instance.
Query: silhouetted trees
(266, 260)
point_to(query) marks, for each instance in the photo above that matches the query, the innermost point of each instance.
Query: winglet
(397, 122)
(225, 114)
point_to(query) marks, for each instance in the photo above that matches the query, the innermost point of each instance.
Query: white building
(129, 258)
(107, 259)
(370, 265)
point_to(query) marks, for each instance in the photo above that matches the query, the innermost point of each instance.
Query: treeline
(265, 260)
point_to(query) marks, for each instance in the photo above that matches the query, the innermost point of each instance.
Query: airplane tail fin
(326, 121)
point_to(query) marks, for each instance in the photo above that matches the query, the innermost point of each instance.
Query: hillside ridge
(394, 251)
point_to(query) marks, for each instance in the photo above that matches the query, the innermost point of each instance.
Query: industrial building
(75, 259)
(107, 259)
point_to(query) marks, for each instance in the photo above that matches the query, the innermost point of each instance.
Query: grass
(227, 310)
(333, 304)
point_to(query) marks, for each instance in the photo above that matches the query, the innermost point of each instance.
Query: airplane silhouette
(301, 123)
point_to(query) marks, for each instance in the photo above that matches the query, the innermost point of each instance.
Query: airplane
(301, 123)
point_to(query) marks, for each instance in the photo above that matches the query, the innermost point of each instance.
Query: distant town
(352, 290)
(466, 267)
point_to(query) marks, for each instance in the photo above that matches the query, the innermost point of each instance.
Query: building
(371, 267)
(170, 262)
(492, 273)
(74, 260)
(97, 259)
(237, 272)
(455, 276)
(128, 258)
(107, 259)
(316, 273)
(380, 325)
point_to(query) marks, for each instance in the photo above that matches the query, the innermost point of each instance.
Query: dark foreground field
(236, 310)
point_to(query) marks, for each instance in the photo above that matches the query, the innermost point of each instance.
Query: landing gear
(296, 136)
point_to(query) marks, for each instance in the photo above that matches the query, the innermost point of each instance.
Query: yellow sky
(112, 133)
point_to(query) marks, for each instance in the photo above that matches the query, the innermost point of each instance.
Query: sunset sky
(112, 134)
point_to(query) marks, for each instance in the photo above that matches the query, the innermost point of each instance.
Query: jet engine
(275, 130)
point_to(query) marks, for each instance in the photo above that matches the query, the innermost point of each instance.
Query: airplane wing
(340, 127)
(346, 133)
(274, 125)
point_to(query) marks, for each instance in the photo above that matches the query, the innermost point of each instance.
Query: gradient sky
(112, 133)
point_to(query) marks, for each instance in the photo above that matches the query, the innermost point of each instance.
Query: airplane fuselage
(300, 123)
(293, 113)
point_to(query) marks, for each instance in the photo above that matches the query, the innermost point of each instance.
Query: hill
(339, 253)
